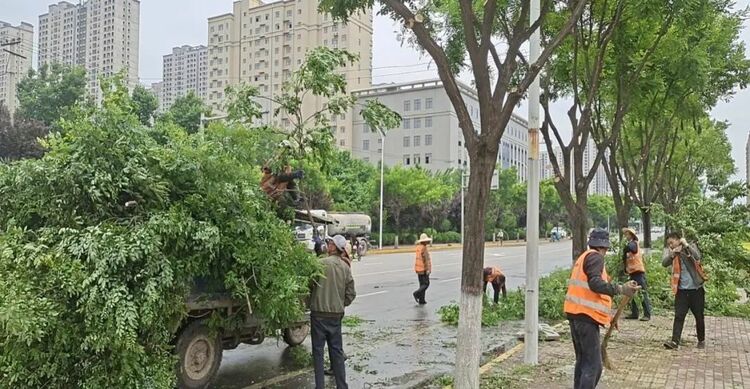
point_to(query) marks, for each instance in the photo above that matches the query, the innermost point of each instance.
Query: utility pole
(11, 71)
(382, 166)
(531, 338)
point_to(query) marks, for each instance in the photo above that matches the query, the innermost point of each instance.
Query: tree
(145, 104)
(49, 94)
(551, 212)
(600, 209)
(684, 85)
(353, 183)
(20, 140)
(186, 112)
(405, 188)
(451, 32)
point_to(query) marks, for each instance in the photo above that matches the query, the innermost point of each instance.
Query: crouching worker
(275, 185)
(493, 275)
(588, 306)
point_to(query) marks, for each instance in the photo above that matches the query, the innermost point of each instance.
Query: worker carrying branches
(588, 305)
(275, 185)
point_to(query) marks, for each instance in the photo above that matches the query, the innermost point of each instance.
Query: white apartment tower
(98, 35)
(261, 44)
(185, 70)
(16, 44)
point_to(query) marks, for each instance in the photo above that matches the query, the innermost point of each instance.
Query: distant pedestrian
(423, 268)
(329, 296)
(501, 237)
(588, 306)
(688, 278)
(493, 275)
(632, 259)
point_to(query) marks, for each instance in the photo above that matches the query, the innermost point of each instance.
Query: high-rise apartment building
(185, 70)
(16, 44)
(261, 44)
(157, 88)
(429, 135)
(98, 35)
(599, 184)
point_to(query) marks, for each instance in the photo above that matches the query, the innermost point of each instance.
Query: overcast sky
(169, 23)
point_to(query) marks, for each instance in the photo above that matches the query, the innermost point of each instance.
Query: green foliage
(145, 104)
(411, 187)
(601, 208)
(92, 287)
(301, 357)
(51, 93)
(21, 139)
(351, 321)
(186, 112)
(353, 184)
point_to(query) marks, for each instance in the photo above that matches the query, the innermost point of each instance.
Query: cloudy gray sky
(169, 23)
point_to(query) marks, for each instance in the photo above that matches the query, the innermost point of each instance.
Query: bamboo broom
(605, 358)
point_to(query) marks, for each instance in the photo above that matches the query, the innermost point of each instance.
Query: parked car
(561, 232)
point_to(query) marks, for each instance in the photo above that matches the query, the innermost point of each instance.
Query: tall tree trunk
(579, 223)
(646, 219)
(623, 218)
(469, 350)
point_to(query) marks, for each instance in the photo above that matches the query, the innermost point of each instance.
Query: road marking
(449, 280)
(373, 293)
(372, 263)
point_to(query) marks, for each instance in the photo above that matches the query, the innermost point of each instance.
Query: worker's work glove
(629, 288)
(298, 175)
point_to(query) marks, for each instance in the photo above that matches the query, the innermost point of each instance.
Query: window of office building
(406, 141)
(428, 103)
(428, 140)
(407, 105)
(428, 122)
(417, 104)
(407, 159)
(365, 128)
(407, 124)
(417, 141)
(427, 158)
(366, 144)
(417, 159)
(417, 123)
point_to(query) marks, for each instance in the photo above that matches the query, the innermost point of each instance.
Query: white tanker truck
(354, 226)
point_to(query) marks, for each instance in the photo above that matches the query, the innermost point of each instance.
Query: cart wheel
(294, 336)
(199, 354)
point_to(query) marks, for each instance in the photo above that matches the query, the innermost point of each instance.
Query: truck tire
(199, 354)
(294, 336)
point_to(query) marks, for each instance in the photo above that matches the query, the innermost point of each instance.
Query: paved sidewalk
(641, 361)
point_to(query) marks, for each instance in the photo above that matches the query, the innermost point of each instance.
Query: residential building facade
(16, 43)
(185, 70)
(262, 44)
(429, 135)
(157, 88)
(98, 35)
(599, 184)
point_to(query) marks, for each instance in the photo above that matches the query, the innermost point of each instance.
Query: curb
(519, 345)
(456, 246)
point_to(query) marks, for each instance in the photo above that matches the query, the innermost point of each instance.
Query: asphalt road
(384, 295)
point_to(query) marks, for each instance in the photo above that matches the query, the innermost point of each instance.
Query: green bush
(447, 237)
(92, 289)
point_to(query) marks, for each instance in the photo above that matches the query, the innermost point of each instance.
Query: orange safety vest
(677, 267)
(422, 259)
(494, 275)
(582, 300)
(634, 261)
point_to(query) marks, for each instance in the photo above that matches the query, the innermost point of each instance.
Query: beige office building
(262, 44)
(16, 43)
(98, 35)
(185, 70)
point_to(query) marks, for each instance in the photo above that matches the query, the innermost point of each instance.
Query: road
(384, 297)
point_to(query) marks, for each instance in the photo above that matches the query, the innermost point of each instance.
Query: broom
(605, 358)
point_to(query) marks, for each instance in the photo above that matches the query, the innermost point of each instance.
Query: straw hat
(629, 231)
(424, 238)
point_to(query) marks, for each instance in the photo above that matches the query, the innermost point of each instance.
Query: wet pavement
(398, 344)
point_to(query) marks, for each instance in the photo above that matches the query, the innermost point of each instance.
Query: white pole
(463, 172)
(382, 164)
(531, 355)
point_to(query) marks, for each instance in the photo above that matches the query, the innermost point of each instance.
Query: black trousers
(588, 369)
(640, 279)
(328, 330)
(693, 300)
(424, 283)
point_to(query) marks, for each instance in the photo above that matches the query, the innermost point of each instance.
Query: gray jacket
(689, 277)
(334, 291)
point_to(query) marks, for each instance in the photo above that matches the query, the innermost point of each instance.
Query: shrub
(447, 237)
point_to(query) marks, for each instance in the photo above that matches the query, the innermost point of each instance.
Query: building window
(366, 159)
(407, 124)
(417, 122)
(380, 141)
(342, 143)
(417, 141)
(427, 158)
(365, 128)
(417, 105)
(407, 105)
(428, 122)
(427, 105)
(407, 159)
(417, 159)
(406, 141)
(366, 144)
(342, 129)
(428, 140)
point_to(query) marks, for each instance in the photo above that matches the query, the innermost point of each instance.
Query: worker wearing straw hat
(633, 262)
(423, 268)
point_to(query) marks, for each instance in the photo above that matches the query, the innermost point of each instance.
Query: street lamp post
(382, 164)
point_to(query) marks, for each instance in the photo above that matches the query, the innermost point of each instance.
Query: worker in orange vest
(493, 275)
(588, 306)
(688, 278)
(423, 268)
(636, 271)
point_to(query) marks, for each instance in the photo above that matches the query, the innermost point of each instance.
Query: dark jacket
(334, 291)
(593, 265)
